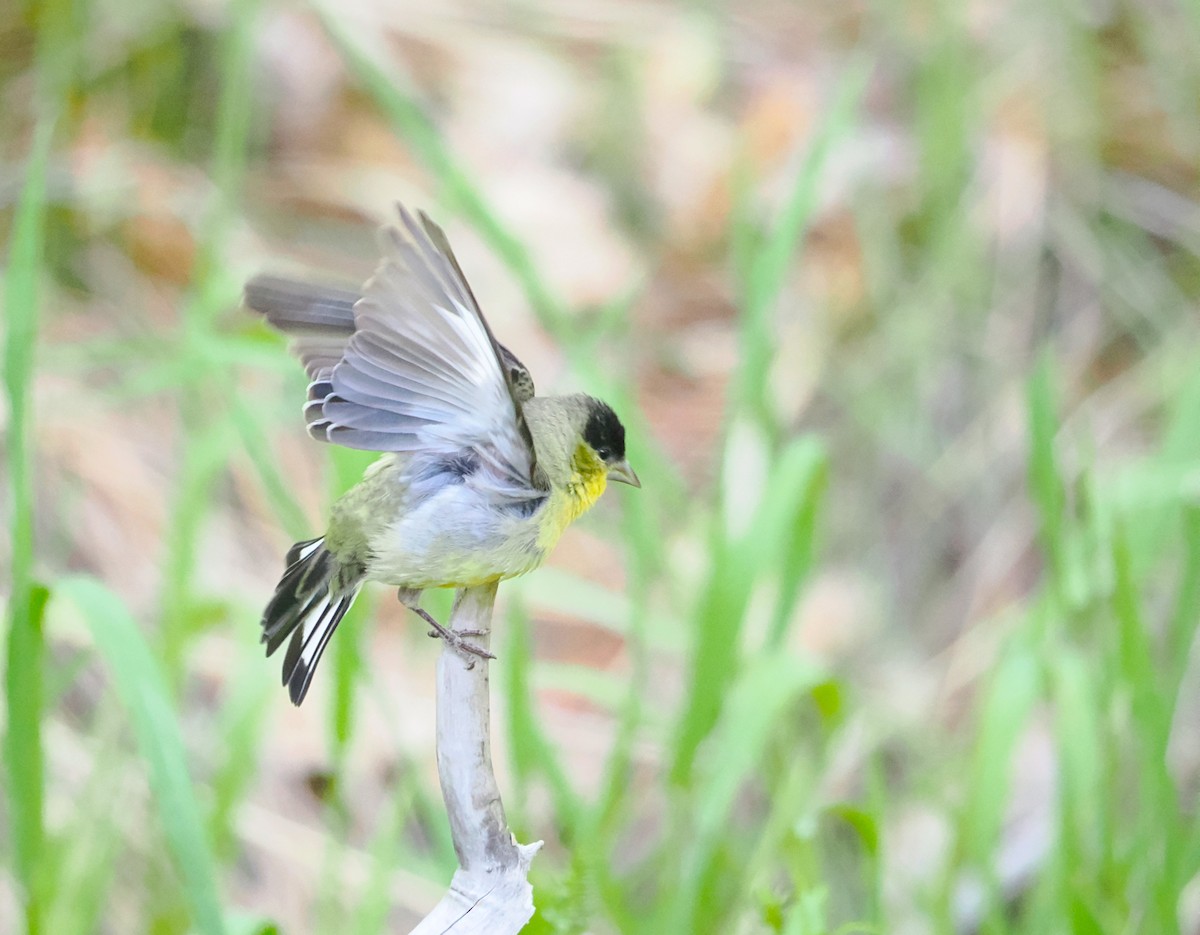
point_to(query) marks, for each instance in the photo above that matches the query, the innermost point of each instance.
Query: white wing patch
(421, 371)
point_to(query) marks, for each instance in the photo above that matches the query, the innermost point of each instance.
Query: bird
(478, 476)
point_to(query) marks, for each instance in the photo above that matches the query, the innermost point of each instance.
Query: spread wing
(414, 366)
(320, 320)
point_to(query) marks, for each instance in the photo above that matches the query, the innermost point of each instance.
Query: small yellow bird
(481, 476)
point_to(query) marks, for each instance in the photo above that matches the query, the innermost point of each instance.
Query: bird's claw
(456, 639)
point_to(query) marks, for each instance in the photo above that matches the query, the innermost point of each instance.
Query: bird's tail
(307, 605)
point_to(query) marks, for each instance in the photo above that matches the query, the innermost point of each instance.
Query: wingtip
(258, 291)
(407, 219)
(418, 226)
(432, 229)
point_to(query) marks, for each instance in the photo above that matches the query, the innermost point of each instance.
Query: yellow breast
(569, 502)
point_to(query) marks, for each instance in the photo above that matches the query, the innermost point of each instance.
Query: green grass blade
(23, 754)
(1158, 819)
(1044, 480)
(89, 847)
(273, 479)
(140, 685)
(25, 653)
(244, 924)
(734, 564)
(800, 477)
(348, 664)
(242, 720)
(770, 264)
(1135, 654)
(719, 621)
(768, 686)
(945, 95)
(778, 539)
(1015, 688)
(200, 362)
(205, 455)
(1182, 630)
(346, 661)
(532, 753)
(1085, 835)
(210, 292)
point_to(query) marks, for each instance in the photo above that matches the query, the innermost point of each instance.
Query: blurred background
(898, 301)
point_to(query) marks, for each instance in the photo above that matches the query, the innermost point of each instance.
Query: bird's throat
(587, 482)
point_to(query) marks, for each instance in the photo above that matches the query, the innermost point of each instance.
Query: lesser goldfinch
(481, 476)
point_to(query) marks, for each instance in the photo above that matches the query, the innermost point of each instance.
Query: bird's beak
(621, 471)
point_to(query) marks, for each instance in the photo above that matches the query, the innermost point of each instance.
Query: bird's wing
(421, 370)
(320, 320)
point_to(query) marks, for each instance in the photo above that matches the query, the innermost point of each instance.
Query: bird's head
(605, 435)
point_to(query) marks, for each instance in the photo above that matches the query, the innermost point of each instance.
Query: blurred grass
(747, 780)
(137, 679)
(25, 656)
(200, 367)
(758, 535)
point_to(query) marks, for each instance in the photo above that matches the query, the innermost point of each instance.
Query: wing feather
(411, 365)
(320, 321)
(422, 370)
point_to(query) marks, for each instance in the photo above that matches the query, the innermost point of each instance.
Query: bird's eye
(604, 453)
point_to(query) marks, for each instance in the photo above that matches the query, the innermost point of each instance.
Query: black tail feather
(304, 608)
(305, 581)
(304, 651)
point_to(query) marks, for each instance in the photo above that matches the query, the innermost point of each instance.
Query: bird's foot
(455, 639)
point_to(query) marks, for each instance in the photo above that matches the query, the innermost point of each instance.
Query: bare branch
(490, 892)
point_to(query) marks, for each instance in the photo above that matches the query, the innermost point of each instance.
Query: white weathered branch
(490, 893)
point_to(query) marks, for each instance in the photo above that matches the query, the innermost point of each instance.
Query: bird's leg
(454, 638)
